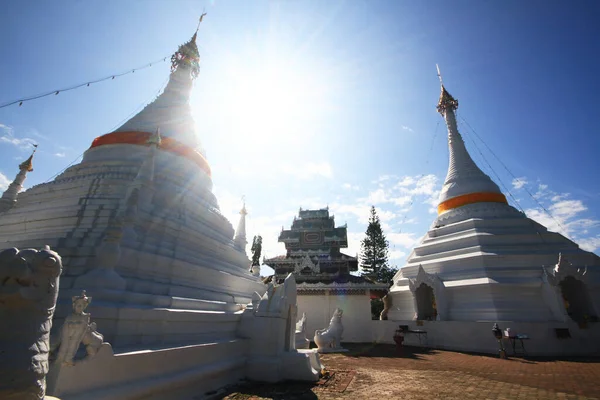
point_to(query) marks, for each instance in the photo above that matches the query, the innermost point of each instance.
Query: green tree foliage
(256, 250)
(374, 258)
(374, 248)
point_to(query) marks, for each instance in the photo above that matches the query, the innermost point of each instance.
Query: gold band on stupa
(470, 198)
(167, 144)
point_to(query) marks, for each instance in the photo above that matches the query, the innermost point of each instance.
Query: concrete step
(195, 304)
(155, 372)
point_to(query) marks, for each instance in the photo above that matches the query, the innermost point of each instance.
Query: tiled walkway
(378, 372)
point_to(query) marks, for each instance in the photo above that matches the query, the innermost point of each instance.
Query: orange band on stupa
(470, 199)
(167, 144)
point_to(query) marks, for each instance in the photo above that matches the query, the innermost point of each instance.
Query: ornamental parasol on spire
(446, 102)
(188, 56)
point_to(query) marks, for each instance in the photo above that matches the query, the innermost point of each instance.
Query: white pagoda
(138, 228)
(484, 261)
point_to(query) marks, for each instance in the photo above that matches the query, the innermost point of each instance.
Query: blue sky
(312, 103)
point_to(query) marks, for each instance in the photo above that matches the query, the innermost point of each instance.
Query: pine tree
(256, 249)
(374, 249)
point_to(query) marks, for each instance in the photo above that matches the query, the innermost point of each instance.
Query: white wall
(356, 319)
(477, 336)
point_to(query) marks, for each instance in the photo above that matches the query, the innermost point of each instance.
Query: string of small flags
(85, 84)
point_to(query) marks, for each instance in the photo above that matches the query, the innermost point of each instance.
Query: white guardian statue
(328, 340)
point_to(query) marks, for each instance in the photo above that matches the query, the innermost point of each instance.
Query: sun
(268, 103)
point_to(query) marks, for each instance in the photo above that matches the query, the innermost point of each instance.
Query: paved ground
(378, 372)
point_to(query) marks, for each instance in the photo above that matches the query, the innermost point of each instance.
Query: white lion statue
(301, 341)
(328, 339)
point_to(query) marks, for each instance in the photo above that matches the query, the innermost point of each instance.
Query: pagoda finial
(28, 164)
(446, 102)
(9, 197)
(188, 56)
(243, 210)
(198, 27)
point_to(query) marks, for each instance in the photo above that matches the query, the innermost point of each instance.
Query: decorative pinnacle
(198, 27)
(188, 56)
(243, 210)
(28, 164)
(155, 139)
(446, 102)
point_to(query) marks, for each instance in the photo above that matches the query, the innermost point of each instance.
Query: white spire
(9, 197)
(171, 110)
(240, 234)
(465, 182)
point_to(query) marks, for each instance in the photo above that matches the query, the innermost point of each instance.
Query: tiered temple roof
(313, 254)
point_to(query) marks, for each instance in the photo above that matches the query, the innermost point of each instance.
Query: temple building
(484, 261)
(138, 227)
(324, 277)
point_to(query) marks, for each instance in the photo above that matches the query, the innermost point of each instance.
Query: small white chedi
(328, 340)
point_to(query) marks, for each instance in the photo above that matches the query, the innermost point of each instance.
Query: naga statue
(28, 291)
(328, 339)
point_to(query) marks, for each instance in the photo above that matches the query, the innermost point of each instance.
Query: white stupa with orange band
(483, 261)
(465, 182)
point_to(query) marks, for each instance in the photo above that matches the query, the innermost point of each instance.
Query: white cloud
(424, 185)
(518, 183)
(564, 215)
(407, 128)
(403, 239)
(396, 256)
(354, 239)
(4, 181)
(60, 155)
(377, 197)
(359, 211)
(401, 200)
(406, 181)
(350, 186)
(590, 244)
(8, 137)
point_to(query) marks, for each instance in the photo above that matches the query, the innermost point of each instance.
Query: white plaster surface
(356, 320)
(478, 337)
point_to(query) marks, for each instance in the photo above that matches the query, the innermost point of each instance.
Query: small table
(418, 332)
(513, 341)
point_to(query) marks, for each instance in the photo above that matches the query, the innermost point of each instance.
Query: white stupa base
(477, 337)
(101, 278)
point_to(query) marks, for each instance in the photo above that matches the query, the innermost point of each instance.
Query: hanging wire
(514, 177)
(86, 84)
(494, 172)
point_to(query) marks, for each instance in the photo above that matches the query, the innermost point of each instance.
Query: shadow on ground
(417, 353)
(277, 391)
